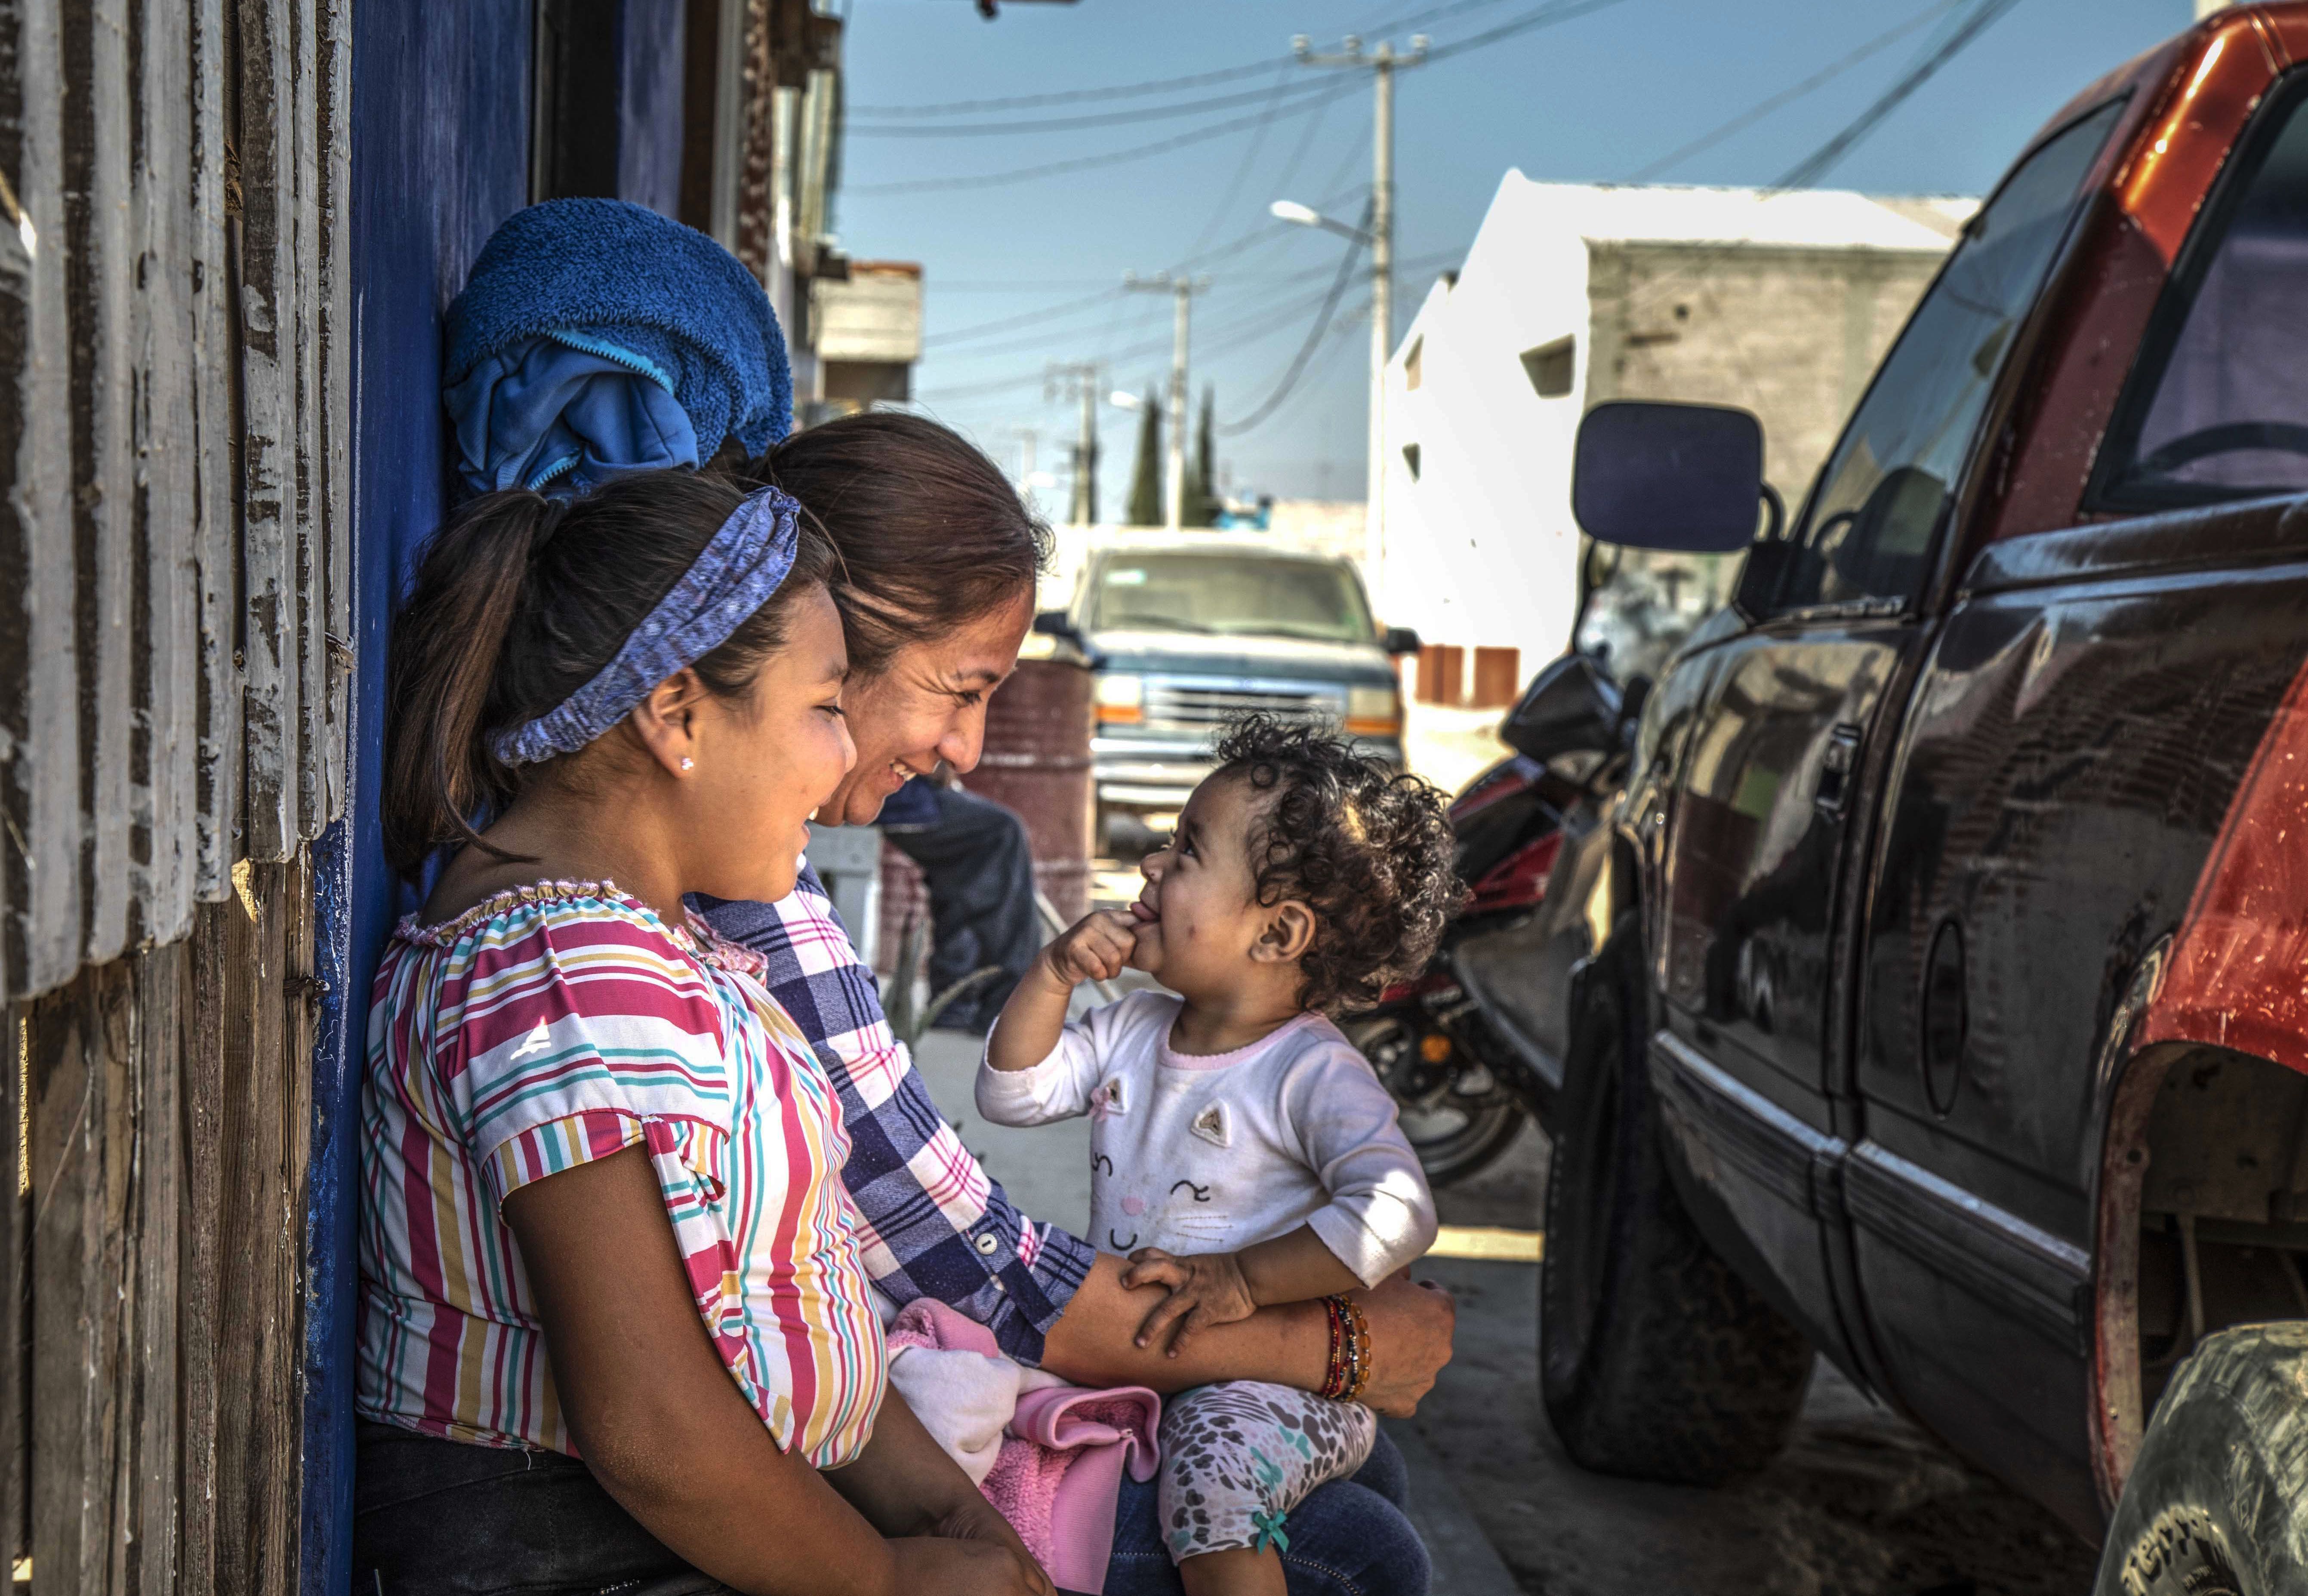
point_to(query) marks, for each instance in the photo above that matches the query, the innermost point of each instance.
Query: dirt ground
(1861, 1503)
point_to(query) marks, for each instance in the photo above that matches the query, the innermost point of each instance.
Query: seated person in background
(1242, 1152)
(979, 868)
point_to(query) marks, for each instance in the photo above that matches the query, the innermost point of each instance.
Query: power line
(1754, 114)
(1819, 161)
(1111, 158)
(1195, 108)
(1250, 155)
(1197, 79)
(1545, 15)
(1045, 314)
(1345, 272)
(1557, 11)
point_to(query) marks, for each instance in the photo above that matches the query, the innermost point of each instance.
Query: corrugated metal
(174, 444)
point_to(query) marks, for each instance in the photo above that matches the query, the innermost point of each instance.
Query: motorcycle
(1463, 1077)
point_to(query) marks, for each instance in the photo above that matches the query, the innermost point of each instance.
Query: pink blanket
(1063, 1448)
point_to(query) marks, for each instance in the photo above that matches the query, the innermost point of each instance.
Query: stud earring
(688, 764)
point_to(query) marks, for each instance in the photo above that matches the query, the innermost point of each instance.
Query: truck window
(1226, 595)
(2217, 407)
(1882, 493)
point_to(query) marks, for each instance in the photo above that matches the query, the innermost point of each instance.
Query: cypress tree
(1202, 479)
(1146, 480)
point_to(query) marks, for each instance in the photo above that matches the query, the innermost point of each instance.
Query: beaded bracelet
(1338, 1372)
(1359, 1349)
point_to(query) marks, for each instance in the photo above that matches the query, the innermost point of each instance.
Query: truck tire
(1656, 1360)
(2217, 1501)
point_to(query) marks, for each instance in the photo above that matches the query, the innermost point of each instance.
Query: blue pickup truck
(1186, 633)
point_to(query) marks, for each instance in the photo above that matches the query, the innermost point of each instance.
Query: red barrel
(1036, 764)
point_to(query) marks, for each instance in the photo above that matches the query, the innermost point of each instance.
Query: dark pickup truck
(1935, 996)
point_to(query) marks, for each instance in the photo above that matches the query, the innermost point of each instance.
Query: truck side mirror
(1681, 477)
(1400, 639)
(1056, 622)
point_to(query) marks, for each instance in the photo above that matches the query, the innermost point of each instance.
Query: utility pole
(1080, 381)
(1182, 290)
(1382, 63)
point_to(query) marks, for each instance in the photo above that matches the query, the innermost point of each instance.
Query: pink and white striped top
(563, 1022)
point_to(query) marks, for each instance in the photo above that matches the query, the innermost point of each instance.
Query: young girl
(603, 1215)
(1242, 1151)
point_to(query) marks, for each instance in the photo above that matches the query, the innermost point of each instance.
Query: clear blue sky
(1594, 99)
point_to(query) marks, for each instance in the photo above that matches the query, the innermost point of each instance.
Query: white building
(1573, 294)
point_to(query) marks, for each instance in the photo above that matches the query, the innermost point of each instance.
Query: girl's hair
(931, 535)
(520, 601)
(1367, 848)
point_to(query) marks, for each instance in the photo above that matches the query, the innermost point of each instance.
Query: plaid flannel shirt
(931, 1223)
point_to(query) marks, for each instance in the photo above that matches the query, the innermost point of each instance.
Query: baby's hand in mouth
(1142, 915)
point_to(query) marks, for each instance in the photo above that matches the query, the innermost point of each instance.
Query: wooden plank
(166, 624)
(269, 421)
(200, 1305)
(81, 1138)
(213, 429)
(335, 255)
(39, 705)
(152, 1466)
(262, 1135)
(15, 1298)
(100, 273)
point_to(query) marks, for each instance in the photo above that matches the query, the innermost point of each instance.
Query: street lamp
(1306, 216)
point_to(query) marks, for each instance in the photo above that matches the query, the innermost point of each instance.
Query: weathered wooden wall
(165, 1104)
(175, 625)
(175, 591)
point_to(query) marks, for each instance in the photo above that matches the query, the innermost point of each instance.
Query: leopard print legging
(1238, 1456)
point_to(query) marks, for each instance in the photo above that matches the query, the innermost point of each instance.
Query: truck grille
(1210, 707)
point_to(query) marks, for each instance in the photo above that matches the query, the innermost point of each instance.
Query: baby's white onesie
(1204, 1153)
(1209, 1152)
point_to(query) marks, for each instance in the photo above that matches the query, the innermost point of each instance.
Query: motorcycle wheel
(1455, 1135)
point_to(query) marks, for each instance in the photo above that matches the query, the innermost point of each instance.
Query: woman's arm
(667, 1433)
(1094, 1343)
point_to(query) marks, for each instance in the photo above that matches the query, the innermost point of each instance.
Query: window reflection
(1882, 494)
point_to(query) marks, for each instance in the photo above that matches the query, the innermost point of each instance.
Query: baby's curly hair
(1367, 850)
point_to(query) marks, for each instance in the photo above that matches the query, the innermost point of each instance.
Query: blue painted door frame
(440, 156)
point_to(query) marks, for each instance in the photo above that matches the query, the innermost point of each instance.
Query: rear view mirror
(1570, 707)
(1680, 477)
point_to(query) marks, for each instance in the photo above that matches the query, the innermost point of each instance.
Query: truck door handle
(1835, 767)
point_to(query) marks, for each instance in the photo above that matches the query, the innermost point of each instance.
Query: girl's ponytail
(520, 601)
(446, 646)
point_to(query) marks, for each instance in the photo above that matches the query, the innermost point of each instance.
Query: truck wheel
(2215, 1501)
(1656, 1360)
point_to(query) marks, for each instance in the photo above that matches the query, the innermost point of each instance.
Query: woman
(937, 566)
(603, 1215)
(935, 585)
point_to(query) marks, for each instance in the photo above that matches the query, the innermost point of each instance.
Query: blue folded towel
(595, 336)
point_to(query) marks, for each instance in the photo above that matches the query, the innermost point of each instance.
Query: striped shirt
(564, 1023)
(931, 1222)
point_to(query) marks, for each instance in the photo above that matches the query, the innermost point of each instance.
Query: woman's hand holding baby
(1222, 1288)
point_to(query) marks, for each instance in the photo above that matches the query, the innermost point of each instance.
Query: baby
(1242, 1151)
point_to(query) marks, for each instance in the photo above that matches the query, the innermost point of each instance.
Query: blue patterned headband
(728, 583)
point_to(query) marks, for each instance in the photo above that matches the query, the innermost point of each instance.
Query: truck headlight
(1121, 699)
(1374, 711)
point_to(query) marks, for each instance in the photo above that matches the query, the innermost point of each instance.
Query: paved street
(1861, 1503)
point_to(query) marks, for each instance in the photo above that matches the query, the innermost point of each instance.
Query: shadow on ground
(1861, 1503)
